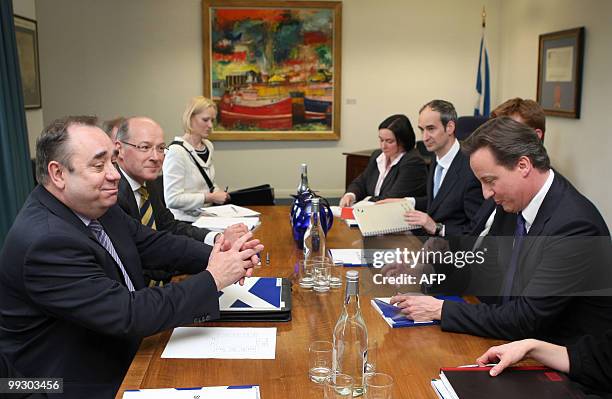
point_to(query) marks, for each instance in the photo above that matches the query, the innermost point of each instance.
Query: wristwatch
(439, 227)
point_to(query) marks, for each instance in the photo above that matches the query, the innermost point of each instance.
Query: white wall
(579, 148)
(119, 57)
(34, 118)
(145, 57)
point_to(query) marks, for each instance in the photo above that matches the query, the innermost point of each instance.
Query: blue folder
(396, 319)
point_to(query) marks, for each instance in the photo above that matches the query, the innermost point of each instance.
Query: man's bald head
(140, 141)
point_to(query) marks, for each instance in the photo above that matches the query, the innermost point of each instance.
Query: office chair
(467, 124)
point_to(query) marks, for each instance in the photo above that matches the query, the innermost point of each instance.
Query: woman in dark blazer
(587, 361)
(396, 170)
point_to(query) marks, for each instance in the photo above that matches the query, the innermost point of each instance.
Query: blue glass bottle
(302, 208)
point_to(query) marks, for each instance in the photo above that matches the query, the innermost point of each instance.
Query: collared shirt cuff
(210, 238)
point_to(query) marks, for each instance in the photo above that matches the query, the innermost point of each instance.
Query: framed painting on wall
(273, 68)
(560, 60)
(26, 35)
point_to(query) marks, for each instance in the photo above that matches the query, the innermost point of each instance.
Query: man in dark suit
(73, 303)
(553, 245)
(141, 147)
(521, 110)
(453, 192)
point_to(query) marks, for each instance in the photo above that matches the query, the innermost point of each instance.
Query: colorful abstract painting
(273, 68)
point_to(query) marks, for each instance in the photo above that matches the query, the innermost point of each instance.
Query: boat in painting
(317, 108)
(262, 113)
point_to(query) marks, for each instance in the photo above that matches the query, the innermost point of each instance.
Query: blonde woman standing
(189, 174)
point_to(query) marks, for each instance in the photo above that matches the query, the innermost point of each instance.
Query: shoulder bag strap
(209, 183)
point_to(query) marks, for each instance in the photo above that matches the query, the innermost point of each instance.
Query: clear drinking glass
(378, 386)
(305, 272)
(320, 361)
(370, 367)
(321, 276)
(335, 278)
(338, 386)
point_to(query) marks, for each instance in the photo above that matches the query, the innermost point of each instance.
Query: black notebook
(513, 382)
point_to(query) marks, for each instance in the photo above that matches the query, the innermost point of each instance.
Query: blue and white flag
(257, 293)
(483, 91)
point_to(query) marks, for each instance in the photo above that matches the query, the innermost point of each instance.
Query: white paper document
(216, 223)
(348, 256)
(221, 343)
(229, 211)
(559, 64)
(231, 392)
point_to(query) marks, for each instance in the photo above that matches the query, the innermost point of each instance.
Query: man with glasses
(141, 151)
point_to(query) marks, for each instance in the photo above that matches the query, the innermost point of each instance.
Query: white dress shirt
(531, 210)
(383, 170)
(135, 186)
(529, 213)
(446, 161)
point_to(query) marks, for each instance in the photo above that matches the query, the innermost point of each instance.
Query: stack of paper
(348, 257)
(215, 223)
(229, 211)
(226, 392)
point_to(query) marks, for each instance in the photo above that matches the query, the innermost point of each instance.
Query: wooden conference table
(412, 356)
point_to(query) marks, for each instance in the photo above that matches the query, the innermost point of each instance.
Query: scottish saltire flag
(257, 293)
(483, 90)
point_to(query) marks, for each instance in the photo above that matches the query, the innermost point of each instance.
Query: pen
(226, 188)
(267, 258)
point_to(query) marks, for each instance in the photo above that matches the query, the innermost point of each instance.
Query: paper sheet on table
(348, 256)
(231, 392)
(221, 343)
(216, 223)
(228, 211)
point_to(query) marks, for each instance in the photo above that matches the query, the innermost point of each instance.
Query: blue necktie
(519, 234)
(105, 240)
(437, 179)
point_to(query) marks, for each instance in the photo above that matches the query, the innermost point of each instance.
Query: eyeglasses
(161, 149)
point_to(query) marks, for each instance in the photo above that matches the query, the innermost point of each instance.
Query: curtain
(16, 179)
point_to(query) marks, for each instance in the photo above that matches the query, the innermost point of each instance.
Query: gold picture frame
(273, 68)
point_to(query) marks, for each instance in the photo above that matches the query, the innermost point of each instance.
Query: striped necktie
(106, 242)
(146, 210)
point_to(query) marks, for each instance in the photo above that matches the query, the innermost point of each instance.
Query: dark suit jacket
(164, 219)
(564, 259)
(591, 362)
(458, 199)
(405, 179)
(64, 308)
